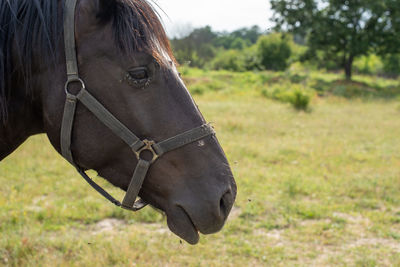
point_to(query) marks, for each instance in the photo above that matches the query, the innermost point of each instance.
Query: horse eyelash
(133, 82)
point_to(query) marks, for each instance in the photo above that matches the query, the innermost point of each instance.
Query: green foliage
(343, 30)
(299, 99)
(370, 64)
(295, 94)
(356, 89)
(229, 60)
(202, 44)
(297, 52)
(284, 84)
(318, 37)
(274, 51)
(237, 60)
(298, 78)
(238, 44)
(210, 86)
(392, 64)
(238, 39)
(321, 60)
(251, 59)
(197, 48)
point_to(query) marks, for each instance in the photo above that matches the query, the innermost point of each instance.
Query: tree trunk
(348, 67)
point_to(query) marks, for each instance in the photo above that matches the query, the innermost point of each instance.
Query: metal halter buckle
(71, 80)
(148, 146)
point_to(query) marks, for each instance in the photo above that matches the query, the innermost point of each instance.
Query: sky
(222, 15)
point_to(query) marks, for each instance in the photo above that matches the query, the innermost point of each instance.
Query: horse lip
(190, 219)
(164, 212)
(180, 223)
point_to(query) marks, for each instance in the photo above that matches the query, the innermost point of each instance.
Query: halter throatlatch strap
(117, 127)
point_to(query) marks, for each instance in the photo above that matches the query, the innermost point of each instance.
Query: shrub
(202, 87)
(300, 100)
(228, 60)
(298, 78)
(298, 96)
(370, 64)
(197, 89)
(391, 64)
(320, 60)
(238, 44)
(274, 51)
(251, 60)
(297, 52)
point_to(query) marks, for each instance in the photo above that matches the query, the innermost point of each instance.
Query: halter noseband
(93, 105)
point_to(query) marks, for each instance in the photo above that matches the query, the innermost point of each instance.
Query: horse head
(126, 63)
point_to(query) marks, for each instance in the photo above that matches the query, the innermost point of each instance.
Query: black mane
(25, 25)
(32, 29)
(137, 27)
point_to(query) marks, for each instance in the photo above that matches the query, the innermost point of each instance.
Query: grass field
(315, 188)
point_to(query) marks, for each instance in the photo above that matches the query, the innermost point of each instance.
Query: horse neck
(23, 120)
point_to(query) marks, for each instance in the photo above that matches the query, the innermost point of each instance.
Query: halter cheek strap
(119, 129)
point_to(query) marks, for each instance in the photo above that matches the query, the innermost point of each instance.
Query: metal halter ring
(148, 146)
(71, 80)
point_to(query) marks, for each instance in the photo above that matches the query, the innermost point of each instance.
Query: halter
(157, 149)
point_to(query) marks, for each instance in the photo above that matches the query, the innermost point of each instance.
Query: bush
(274, 51)
(298, 78)
(237, 60)
(297, 52)
(238, 44)
(201, 87)
(298, 96)
(195, 57)
(197, 89)
(320, 60)
(229, 60)
(251, 59)
(391, 65)
(299, 99)
(370, 64)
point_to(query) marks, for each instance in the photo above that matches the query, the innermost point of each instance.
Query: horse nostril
(225, 204)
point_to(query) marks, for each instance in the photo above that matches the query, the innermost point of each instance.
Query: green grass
(319, 188)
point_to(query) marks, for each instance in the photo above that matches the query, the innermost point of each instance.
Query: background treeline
(249, 49)
(360, 35)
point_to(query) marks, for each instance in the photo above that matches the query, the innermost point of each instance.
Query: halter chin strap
(138, 146)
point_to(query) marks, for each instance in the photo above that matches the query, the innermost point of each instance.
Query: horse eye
(138, 74)
(138, 77)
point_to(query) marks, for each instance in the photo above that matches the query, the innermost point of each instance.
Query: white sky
(221, 15)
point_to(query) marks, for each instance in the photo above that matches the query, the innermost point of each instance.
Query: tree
(274, 51)
(230, 40)
(196, 48)
(201, 45)
(343, 29)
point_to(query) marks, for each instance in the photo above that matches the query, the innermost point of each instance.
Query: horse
(99, 78)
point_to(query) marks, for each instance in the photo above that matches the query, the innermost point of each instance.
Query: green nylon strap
(109, 120)
(182, 139)
(136, 184)
(69, 39)
(72, 74)
(66, 127)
